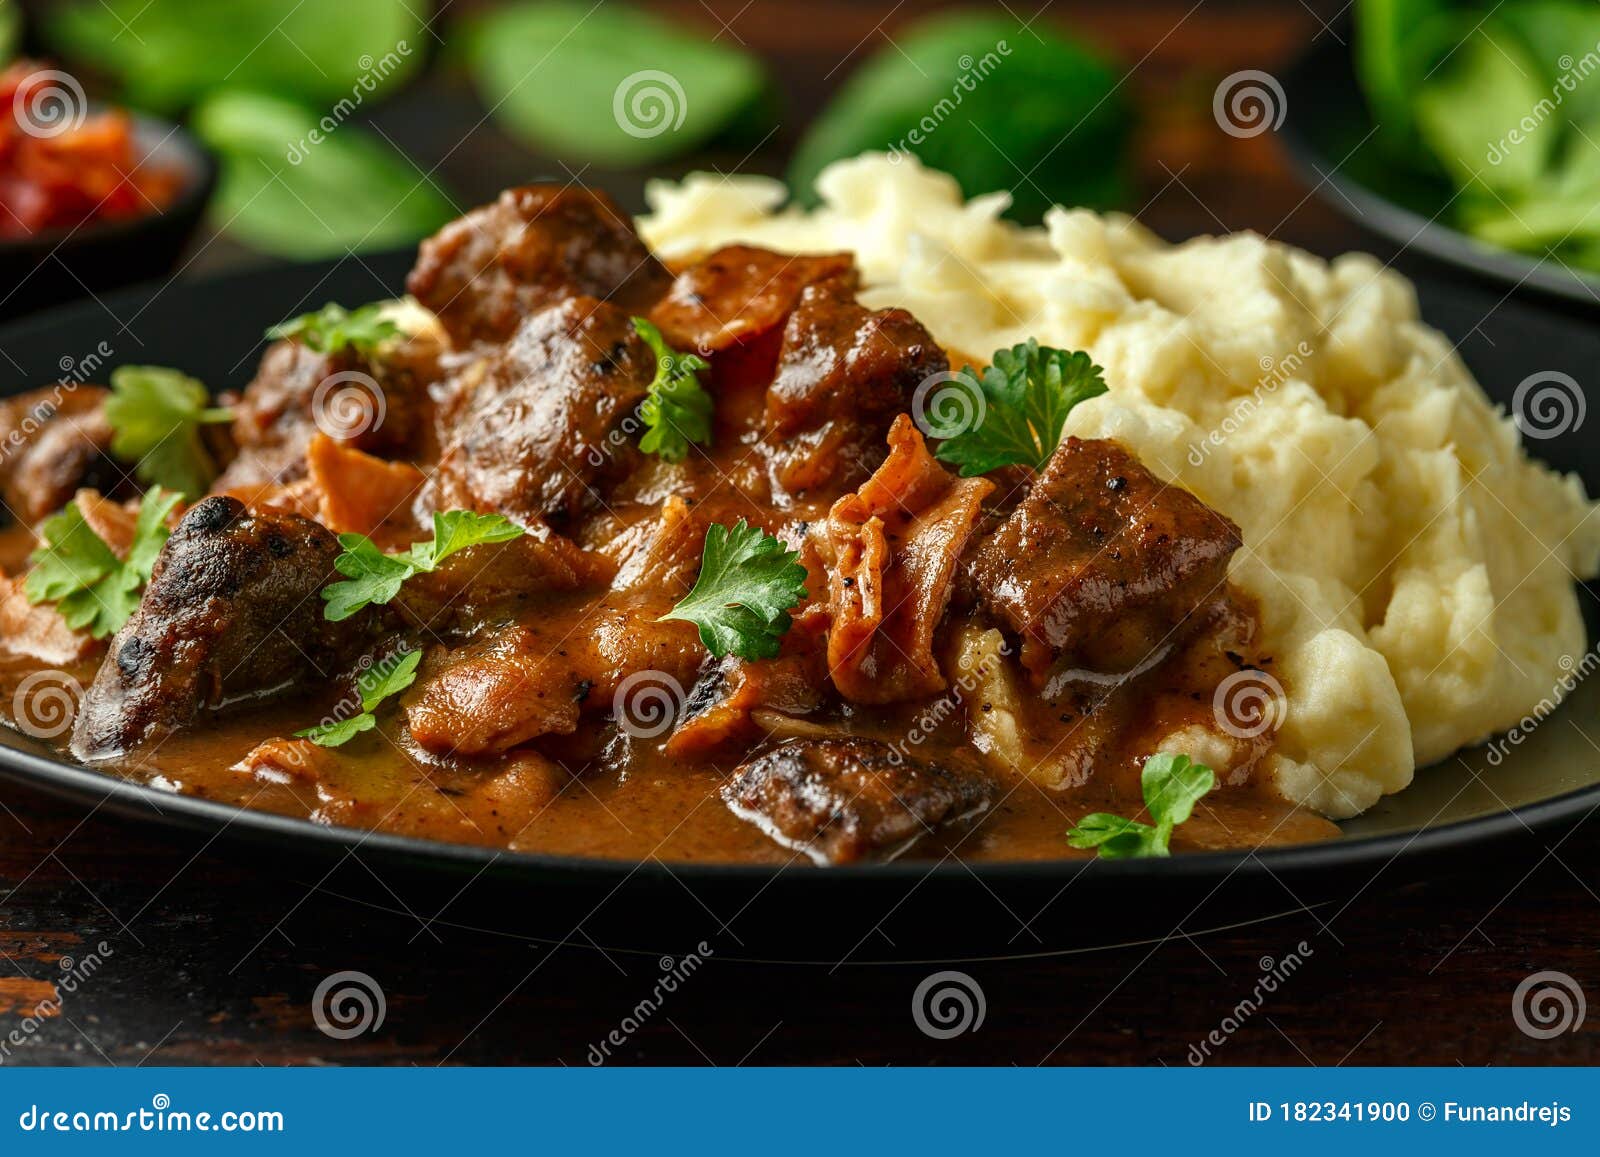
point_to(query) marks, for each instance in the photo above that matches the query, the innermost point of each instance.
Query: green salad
(1502, 102)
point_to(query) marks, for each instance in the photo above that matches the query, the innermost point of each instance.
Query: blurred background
(363, 124)
(1470, 127)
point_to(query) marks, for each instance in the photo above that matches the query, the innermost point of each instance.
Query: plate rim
(133, 800)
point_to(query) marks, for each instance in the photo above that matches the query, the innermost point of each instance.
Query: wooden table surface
(147, 947)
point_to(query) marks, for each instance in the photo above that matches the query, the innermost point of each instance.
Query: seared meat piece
(52, 442)
(534, 678)
(892, 550)
(740, 293)
(231, 611)
(719, 710)
(39, 632)
(377, 404)
(841, 800)
(483, 273)
(497, 580)
(1102, 563)
(491, 695)
(540, 435)
(844, 374)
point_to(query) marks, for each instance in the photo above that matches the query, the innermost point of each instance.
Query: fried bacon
(895, 545)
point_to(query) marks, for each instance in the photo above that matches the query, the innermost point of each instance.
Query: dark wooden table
(154, 948)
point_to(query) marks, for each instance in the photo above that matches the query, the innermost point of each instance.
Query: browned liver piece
(52, 442)
(378, 404)
(483, 273)
(1101, 563)
(540, 435)
(232, 609)
(843, 800)
(844, 374)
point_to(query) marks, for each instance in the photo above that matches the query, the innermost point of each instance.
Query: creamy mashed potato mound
(1414, 568)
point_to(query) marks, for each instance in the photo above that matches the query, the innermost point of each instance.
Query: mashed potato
(1414, 568)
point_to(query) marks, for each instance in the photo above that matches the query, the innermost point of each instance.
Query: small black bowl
(1329, 135)
(60, 264)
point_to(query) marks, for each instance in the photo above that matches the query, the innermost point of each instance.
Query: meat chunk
(52, 442)
(541, 434)
(893, 549)
(535, 245)
(494, 694)
(1102, 563)
(844, 374)
(843, 800)
(497, 580)
(231, 611)
(376, 403)
(39, 632)
(740, 293)
(719, 710)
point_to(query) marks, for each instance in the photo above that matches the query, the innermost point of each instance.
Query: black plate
(1329, 134)
(1450, 818)
(62, 264)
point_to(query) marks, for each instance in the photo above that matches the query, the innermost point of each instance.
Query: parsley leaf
(677, 410)
(75, 569)
(390, 677)
(747, 585)
(155, 416)
(1172, 785)
(1020, 405)
(332, 328)
(375, 577)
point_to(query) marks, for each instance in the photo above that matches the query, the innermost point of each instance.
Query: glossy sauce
(612, 797)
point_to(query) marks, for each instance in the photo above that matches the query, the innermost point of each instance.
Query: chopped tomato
(61, 174)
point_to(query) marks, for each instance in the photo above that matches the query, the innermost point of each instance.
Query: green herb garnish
(333, 328)
(747, 585)
(1172, 785)
(155, 416)
(677, 410)
(375, 684)
(75, 569)
(1019, 406)
(375, 577)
